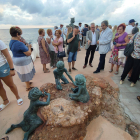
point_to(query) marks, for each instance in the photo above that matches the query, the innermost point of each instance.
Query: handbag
(129, 48)
(121, 53)
(61, 54)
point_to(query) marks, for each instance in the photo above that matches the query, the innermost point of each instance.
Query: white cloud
(54, 12)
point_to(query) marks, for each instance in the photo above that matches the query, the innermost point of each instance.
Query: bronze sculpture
(31, 121)
(72, 21)
(80, 92)
(58, 74)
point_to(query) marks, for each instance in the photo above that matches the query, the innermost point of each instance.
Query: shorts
(4, 70)
(72, 56)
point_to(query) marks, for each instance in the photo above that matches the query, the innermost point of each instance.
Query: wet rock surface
(65, 119)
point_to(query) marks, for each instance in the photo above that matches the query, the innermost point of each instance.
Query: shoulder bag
(129, 48)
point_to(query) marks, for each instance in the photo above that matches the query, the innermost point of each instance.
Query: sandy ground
(13, 113)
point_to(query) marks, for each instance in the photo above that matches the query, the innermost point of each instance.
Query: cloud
(54, 12)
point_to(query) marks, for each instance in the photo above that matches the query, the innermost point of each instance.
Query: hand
(89, 42)
(118, 45)
(29, 46)
(98, 42)
(12, 72)
(47, 54)
(57, 48)
(73, 33)
(51, 36)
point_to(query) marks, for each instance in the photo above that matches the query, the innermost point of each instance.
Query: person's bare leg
(112, 65)
(44, 67)
(73, 63)
(8, 80)
(117, 68)
(3, 94)
(130, 73)
(69, 63)
(27, 84)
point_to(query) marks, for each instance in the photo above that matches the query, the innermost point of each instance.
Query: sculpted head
(80, 79)
(60, 65)
(34, 94)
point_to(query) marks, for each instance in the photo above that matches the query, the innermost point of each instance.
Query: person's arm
(9, 60)
(70, 39)
(126, 41)
(107, 40)
(69, 76)
(48, 40)
(44, 47)
(56, 44)
(28, 53)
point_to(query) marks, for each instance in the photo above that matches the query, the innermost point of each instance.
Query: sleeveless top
(121, 40)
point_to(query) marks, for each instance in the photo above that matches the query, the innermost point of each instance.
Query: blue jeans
(72, 56)
(4, 70)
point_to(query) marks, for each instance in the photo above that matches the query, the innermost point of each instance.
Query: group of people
(51, 51)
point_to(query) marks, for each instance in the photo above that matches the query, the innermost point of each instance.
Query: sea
(30, 35)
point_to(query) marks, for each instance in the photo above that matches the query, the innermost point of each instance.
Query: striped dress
(23, 64)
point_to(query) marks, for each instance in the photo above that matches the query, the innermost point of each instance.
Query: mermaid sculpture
(58, 74)
(80, 92)
(31, 121)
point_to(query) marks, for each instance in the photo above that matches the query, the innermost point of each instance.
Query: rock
(101, 129)
(133, 131)
(65, 119)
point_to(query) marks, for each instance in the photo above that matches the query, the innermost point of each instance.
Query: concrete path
(128, 97)
(13, 113)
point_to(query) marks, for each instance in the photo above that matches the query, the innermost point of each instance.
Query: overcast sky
(44, 13)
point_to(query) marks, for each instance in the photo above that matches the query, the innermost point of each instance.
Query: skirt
(114, 58)
(4, 70)
(24, 67)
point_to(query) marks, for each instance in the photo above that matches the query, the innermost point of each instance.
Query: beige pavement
(13, 113)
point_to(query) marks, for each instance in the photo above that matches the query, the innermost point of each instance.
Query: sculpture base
(65, 119)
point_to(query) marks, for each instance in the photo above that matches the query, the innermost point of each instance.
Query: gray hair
(92, 24)
(105, 22)
(55, 27)
(135, 30)
(76, 27)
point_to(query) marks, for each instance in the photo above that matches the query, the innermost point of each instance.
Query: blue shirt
(18, 48)
(85, 31)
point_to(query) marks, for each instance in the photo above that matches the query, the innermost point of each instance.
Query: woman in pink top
(58, 44)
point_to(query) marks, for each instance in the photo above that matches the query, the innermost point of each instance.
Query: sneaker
(132, 85)
(69, 70)
(121, 82)
(74, 68)
(96, 71)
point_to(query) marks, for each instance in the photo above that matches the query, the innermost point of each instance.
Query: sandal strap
(20, 100)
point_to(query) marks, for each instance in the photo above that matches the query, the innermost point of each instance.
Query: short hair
(40, 31)
(93, 24)
(86, 25)
(122, 25)
(97, 25)
(14, 31)
(76, 27)
(59, 31)
(136, 23)
(80, 23)
(105, 22)
(55, 27)
(110, 26)
(135, 30)
(48, 31)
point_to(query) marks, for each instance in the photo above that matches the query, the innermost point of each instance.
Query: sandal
(116, 72)
(46, 71)
(74, 68)
(110, 70)
(20, 100)
(31, 83)
(132, 85)
(138, 97)
(28, 89)
(5, 138)
(2, 106)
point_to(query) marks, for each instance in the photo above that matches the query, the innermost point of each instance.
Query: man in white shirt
(130, 27)
(80, 33)
(65, 32)
(92, 36)
(55, 28)
(104, 45)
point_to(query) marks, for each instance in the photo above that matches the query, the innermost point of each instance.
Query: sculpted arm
(69, 76)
